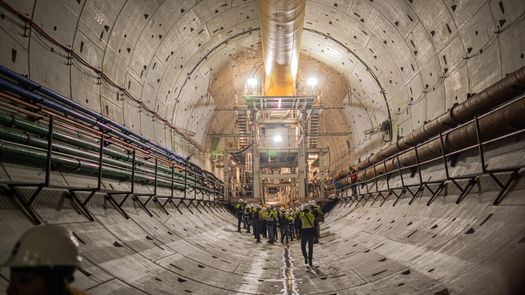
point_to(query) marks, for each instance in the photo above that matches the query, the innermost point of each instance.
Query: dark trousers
(271, 232)
(239, 219)
(307, 237)
(284, 233)
(258, 224)
(248, 223)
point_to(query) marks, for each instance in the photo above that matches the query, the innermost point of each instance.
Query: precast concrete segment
(406, 249)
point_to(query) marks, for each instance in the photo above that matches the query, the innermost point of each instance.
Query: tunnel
(142, 126)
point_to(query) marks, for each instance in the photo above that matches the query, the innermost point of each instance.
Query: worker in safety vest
(248, 217)
(291, 225)
(257, 223)
(239, 207)
(319, 217)
(283, 225)
(271, 222)
(263, 216)
(307, 234)
(244, 214)
(43, 261)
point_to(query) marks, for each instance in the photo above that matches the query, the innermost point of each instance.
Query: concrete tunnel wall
(444, 248)
(436, 53)
(412, 59)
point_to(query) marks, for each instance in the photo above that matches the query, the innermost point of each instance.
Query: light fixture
(252, 82)
(312, 81)
(277, 138)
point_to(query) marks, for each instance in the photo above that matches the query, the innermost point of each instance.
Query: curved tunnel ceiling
(407, 61)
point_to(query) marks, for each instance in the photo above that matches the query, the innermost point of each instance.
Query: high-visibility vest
(307, 220)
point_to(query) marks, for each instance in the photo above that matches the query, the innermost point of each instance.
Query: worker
(43, 261)
(239, 210)
(244, 215)
(252, 217)
(291, 224)
(257, 223)
(353, 178)
(247, 217)
(307, 234)
(283, 225)
(263, 217)
(271, 221)
(297, 222)
(319, 217)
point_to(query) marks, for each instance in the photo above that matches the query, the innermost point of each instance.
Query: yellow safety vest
(307, 220)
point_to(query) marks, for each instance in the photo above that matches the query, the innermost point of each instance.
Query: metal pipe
(9, 119)
(498, 93)
(98, 120)
(104, 122)
(20, 153)
(281, 29)
(503, 121)
(38, 129)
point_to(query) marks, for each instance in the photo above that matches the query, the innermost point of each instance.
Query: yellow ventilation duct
(281, 28)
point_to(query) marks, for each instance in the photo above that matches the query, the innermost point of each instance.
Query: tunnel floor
(470, 248)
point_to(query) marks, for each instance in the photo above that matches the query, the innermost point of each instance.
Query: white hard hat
(240, 200)
(46, 245)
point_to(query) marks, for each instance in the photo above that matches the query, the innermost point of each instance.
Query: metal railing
(370, 189)
(38, 131)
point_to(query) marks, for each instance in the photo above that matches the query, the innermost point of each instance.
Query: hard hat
(46, 245)
(240, 200)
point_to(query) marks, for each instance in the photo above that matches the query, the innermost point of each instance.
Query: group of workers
(270, 222)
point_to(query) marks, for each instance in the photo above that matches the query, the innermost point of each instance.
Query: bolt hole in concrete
(470, 231)
(173, 265)
(380, 272)
(117, 244)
